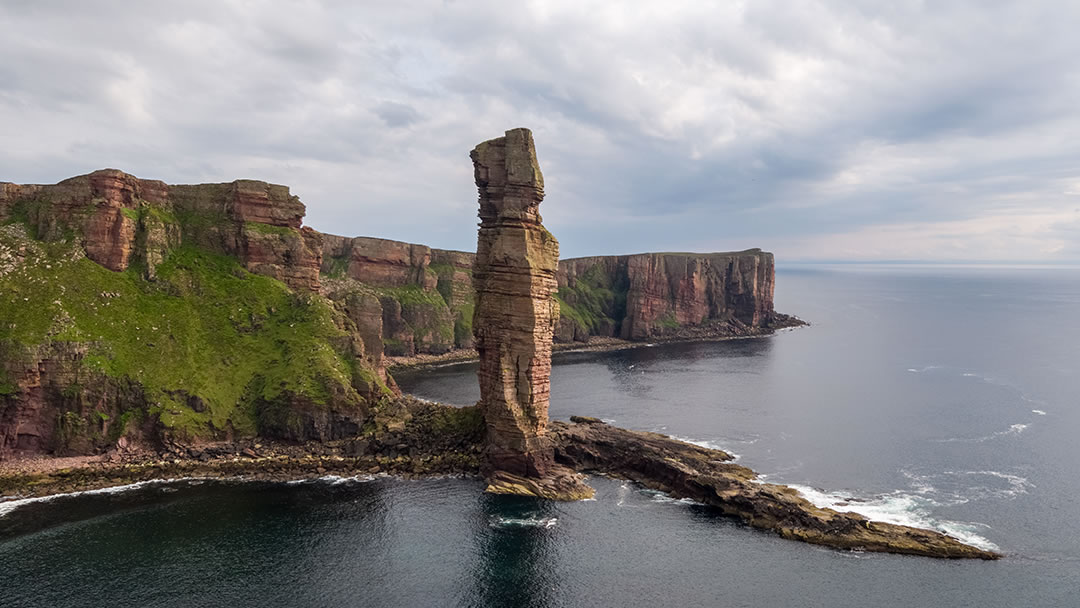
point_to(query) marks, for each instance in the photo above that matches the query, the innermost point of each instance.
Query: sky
(820, 130)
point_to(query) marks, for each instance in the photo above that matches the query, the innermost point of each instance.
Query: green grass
(424, 311)
(595, 299)
(157, 213)
(668, 321)
(413, 295)
(463, 324)
(338, 266)
(201, 220)
(206, 327)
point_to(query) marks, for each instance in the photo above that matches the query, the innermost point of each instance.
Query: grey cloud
(691, 124)
(397, 114)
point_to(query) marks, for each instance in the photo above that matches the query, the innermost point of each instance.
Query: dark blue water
(945, 398)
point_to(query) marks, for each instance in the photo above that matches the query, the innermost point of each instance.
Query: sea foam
(897, 508)
(7, 507)
(523, 522)
(1013, 430)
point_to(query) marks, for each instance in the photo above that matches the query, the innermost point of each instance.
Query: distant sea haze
(942, 397)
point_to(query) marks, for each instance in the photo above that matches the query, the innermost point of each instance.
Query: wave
(1005, 384)
(1039, 412)
(8, 506)
(920, 370)
(333, 480)
(1014, 429)
(951, 488)
(523, 522)
(665, 498)
(898, 508)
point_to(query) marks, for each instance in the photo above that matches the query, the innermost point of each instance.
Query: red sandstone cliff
(60, 384)
(121, 218)
(649, 295)
(635, 297)
(424, 295)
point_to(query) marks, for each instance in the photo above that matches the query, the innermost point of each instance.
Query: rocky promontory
(710, 477)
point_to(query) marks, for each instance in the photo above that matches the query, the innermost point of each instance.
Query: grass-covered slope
(206, 350)
(593, 304)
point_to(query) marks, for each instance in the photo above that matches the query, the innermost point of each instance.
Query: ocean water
(941, 397)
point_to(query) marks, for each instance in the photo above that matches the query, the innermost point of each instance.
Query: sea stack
(514, 321)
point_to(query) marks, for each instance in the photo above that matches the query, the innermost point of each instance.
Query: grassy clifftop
(206, 350)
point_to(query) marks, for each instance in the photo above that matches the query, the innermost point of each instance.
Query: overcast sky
(820, 130)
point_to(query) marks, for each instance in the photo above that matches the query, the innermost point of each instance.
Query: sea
(934, 396)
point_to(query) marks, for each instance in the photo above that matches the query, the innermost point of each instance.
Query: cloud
(1011, 235)
(397, 114)
(813, 129)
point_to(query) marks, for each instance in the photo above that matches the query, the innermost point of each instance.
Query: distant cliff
(654, 295)
(421, 298)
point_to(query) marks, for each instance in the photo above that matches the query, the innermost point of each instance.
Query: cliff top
(118, 173)
(751, 251)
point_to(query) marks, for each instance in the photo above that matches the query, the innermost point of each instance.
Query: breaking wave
(665, 498)
(334, 480)
(898, 508)
(914, 507)
(523, 522)
(7, 507)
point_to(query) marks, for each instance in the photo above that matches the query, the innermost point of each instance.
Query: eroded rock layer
(514, 277)
(122, 219)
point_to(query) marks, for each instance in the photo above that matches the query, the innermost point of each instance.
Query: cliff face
(425, 295)
(137, 310)
(120, 219)
(649, 295)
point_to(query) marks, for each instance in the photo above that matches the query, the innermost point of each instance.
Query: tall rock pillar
(514, 320)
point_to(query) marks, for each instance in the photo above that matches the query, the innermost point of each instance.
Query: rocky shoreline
(409, 437)
(422, 439)
(607, 344)
(710, 477)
